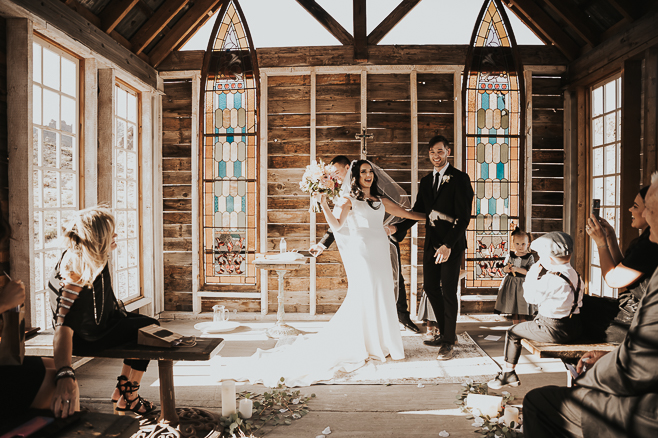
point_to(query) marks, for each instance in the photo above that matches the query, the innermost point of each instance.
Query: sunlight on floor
(443, 412)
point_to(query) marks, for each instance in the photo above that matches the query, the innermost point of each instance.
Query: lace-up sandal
(122, 389)
(136, 402)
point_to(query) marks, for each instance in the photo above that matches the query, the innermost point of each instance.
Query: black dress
(608, 319)
(97, 319)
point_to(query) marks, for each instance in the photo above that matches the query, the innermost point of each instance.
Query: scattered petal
(505, 393)
(320, 436)
(296, 416)
(326, 431)
(283, 410)
(420, 385)
(444, 433)
(295, 401)
(494, 420)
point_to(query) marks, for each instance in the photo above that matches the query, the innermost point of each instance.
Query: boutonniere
(446, 179)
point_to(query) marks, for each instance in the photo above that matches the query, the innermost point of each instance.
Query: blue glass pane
(237, 169)
(216, 204)
(485, 170)
(244, 203)
(492, 205)
(506, 203)
(485, 101)
(237, 100)
(493, 132)
(501, 101)
(221, 169)
(229, 138)
(222, 101)
(229, 204)
(500, 170)
(477, 205)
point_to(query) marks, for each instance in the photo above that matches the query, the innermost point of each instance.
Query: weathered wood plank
(177, 204)
(170, 218)
(178, 192)
(178, 301)
(178, 245)
(547, 211)
(547, 225)
(177, 231)
(176, 178)
(548, 157)
(548, 184)
(176, 164)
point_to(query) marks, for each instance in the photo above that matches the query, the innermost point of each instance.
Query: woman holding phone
(630, 270)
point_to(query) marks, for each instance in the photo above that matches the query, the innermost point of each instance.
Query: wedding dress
(365, 326)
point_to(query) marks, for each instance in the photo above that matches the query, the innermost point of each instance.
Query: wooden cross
(364, 136)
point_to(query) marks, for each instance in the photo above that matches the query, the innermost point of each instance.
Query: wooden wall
(4, 182)
(547, 154)
(177, 194)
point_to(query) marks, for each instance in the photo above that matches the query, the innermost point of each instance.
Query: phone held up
(596, 208)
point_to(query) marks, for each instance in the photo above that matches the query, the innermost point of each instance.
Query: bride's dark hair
(355, 187)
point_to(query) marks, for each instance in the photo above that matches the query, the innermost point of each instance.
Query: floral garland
(490, 427)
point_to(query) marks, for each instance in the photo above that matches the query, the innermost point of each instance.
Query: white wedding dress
(365, 326)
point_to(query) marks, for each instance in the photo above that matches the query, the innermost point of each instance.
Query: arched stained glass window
(493, 96)
(229, 107)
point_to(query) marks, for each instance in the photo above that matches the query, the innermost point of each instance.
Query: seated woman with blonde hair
(86, 314)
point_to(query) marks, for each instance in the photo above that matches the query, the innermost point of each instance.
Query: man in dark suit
(445, 196)
(618, 395)
(342, 165)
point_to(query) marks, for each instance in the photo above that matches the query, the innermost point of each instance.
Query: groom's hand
(390, 229)
(442, 254)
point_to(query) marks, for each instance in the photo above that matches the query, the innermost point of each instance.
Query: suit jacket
(622, 397)
(448, 210)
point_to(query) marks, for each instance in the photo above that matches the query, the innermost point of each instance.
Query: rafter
(114, 12)
(628, 9)
(360, 38)
(548, 26)
(391, 21)
(182, 28)
(156, 23)
(576, 19)
(521, 16)
(327, 21)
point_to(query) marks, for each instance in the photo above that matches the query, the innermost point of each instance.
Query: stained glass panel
(493, 97)
(229, 154)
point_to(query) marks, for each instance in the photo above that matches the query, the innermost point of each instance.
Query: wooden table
(204, 349)
(280, 329)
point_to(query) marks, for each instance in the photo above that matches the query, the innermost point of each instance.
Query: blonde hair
(88, 243)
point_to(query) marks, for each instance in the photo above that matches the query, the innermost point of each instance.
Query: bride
(366, 324)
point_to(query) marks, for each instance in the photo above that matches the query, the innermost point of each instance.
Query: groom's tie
(435, 186)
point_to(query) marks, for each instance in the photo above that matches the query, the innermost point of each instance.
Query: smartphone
(596, 208)
(572, 370)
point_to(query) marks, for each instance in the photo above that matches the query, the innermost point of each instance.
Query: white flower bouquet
(320, 178)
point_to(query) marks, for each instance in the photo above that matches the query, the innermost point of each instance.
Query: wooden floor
(349, 410)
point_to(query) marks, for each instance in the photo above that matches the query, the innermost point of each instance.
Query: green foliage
(279, 407)
(489, 427)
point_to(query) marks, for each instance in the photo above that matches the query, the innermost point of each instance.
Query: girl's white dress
(365, 326)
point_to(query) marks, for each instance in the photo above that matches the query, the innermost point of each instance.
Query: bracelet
(65, 372)
(602, 246)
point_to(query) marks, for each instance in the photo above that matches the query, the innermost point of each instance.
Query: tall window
(229, 153)
(55, 159)
(125, 187)
(605, 171)
(493, 96)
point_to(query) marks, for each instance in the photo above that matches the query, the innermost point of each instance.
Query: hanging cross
(364, 136)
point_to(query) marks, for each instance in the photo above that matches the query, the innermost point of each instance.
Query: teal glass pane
(244, 203)
(237, 169)
(500, 171)
(484, 173)
(229, 204)
(221, 170)
(237, 100)
(485, 101)
(477, 205)
(222, 101)
(216, 204)
(492, 205)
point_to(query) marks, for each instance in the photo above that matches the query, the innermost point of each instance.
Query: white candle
(511, 414)
(228, 398)
(485, 404)
(245, 408)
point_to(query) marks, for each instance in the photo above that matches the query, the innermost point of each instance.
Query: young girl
(510, 295)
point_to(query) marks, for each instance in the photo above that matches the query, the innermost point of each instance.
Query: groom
(445, 196)
(342, 164)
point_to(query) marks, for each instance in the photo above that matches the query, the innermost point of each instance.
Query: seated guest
(86, 314)
(31, 384)
(608, 319)
(556, 288)
(617, 396)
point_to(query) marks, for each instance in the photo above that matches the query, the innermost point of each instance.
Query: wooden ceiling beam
(327, 21)
(114, 12)
(576, 19)
(626, 8)
(181, 29)
(156, 23)
(548, 26)
(391, 21)
(360, 36)
(199, 25)
(521, 16)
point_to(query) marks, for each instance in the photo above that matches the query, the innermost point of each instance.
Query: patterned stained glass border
(229, 155)
(493, 148)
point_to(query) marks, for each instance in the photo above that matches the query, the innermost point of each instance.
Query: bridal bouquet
(320, 178)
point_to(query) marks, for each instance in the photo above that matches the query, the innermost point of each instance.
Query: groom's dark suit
(448, 211)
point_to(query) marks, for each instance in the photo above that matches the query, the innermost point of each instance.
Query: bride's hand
(320, 197)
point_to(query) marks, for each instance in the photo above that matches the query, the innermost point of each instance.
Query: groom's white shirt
(440, 172)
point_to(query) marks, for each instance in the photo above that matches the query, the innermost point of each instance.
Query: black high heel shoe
(122, 388)
(138, 401)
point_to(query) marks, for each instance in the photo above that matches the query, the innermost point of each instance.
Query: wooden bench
(568, 353)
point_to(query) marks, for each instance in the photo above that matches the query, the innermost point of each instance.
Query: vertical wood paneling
(4, 179)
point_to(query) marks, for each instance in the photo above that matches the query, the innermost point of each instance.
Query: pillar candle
(228, 398)
(245, 408)
(511, 414)
(485, 404)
